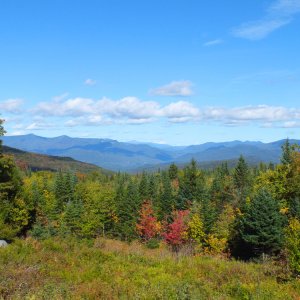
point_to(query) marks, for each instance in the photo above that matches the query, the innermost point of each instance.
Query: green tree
(287, 150)
(261, 227)
(144, 187)
(188, 187)
(128, 207)
(294, 209)
(222, 191)
(98, 215)
(208, 214)
(153, 189)
(166, 197)
(73, 216)
(13, 211)
(173, 171)
(217, 240)
(241, 179)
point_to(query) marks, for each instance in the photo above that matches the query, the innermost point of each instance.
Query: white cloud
(180, 111)
(131, 110)
(39, 126)
(287, 7)
(13, 106)
(90, 82)
(73, 107)
(279, 14)
(291, 124)
(213, 42)
(126, 110)
(129, 107)
(260, 113)
(175, 88)
(61, 97)
(259, 29)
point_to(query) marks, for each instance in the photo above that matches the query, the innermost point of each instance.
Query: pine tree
(128, 207)
(173, 171)
(221, 191)
(287, 150)
(72, 216)
(166, 197)
(208, 214)
(153, 191)
(261, 227)
(241, 179)
(294, 209)
(59, 192)
(144, 187)
(188, 187)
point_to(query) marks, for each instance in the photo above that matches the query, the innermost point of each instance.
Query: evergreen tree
(294, 209)
(173, 171)
(59, 191)
(241, 179)
(188, 187)
(287, 150)
(127, 211)
(72, 216)
(208, 214)
(69, 182)
(166, 197)
(153, 191)
(144, 187)
(221, 191)
(261, 227)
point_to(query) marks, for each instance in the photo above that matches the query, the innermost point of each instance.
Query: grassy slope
(107, 269)
(38, 162)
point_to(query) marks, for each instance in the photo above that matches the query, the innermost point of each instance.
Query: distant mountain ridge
(120, 156)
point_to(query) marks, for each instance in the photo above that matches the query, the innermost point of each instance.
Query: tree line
(245, 212)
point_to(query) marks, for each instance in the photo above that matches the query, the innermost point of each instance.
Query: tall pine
(260, 228)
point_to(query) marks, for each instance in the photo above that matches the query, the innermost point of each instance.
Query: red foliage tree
(176, 232)
(148, 227)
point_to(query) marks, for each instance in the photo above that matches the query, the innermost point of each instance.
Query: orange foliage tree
(148, 227)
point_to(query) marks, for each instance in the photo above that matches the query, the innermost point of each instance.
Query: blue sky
(177, 72)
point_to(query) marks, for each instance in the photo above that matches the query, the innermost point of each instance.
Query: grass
(108, 269)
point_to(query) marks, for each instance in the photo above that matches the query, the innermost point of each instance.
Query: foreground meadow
(108, 269)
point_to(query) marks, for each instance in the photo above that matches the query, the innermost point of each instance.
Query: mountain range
(130, 156)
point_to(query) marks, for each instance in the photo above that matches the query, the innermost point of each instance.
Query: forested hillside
(243, 212)
(28, 161)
